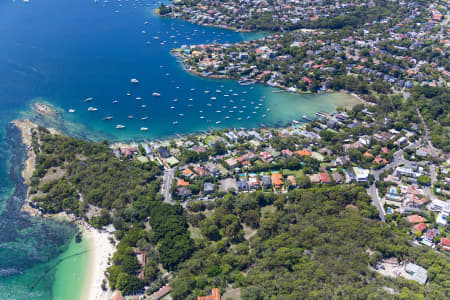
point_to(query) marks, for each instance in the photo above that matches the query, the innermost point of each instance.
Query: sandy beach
(100, 250)
(100, 247)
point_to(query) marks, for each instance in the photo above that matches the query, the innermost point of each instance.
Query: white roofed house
(362, 175)
(417, 273)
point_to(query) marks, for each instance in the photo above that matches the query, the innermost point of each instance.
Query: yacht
(107, 118)
(71, 110)
(144, 106)
(92, 108)
(128, 94)
(138, 98)
(130, 117)
(144, 128)
(175, 122)
(156, 94)
(144, 118)
(119, 126)
(115, 102)
(218, 122)
(134, 80)
(88, 99)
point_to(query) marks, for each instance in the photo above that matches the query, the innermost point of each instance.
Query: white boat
(71, 110)
(175, 122)
(181, 115)
(119, 126)
(202, 117)
(144, 106)
(138, 98)
(88, 99)
(134, 80)
(92, 108)
(156, 94)
(107, 118)
(128, 94)
(172, 107)
(218, 122)
(144, 128)
(144, 118)
(115, 102)
(213, 98)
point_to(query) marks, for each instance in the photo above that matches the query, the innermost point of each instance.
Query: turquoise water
(65, 51)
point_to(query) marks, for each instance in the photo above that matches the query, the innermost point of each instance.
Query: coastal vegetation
(313, 242)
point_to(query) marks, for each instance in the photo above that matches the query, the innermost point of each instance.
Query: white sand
(101, 250)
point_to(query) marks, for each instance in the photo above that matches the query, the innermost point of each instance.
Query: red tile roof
(420, 227)
(162, 292)
(215, 295)
(416, 219)
(324, 178)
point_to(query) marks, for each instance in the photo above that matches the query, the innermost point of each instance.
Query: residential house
(324, 178)
(162, 292)
(291, 181)
(183, 192)
(419, 227)
(253, 182)
(418, 273)
(200, 171)
(445, 243)
(337, 178)
(164, 152)
(212, 169)
(231, 162)
(208, 188)
(416, 219)
(277, 180)
(266, 181)
(315, 178)
(215, 295)
(242, 184)
(362, 175)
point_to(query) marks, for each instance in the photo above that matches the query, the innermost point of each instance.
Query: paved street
(167, 183)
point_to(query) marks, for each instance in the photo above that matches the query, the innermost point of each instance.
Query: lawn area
(210, 138)
(296, 173)
(222, 169)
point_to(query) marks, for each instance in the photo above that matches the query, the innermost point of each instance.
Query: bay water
(64, 52)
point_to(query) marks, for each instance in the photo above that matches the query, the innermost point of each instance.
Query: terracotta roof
(277, 179)
(162, 292)
(420, 227)
(415, 219)
(215, 295)
(303, 152)
(117, 295)
(445, 241)
(182, 182)
(324, 178)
